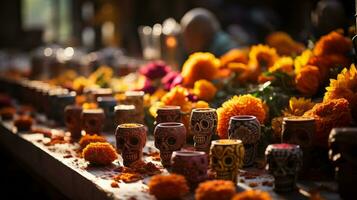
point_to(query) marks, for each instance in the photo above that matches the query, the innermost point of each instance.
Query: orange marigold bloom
(177, 96)
(332, 43)
(245, 72)
(344, 86)
(283, 64)
(99, 153)
(262, 56)
(216, 189)
(239, 105)
(199, 66)
(252, 195)
(308, 80)
(328, 115)
(298, 106)
(87, 139)
(234, 56)
(284, 44)
(204, 90)
(171, 186)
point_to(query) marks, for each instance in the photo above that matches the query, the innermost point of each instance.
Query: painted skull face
(191, 164)
(247, 129)
(343, 154)
(203, 124)
(168, 114)
(298, 131)
(284, 162)
(169, 137)
(131, 139)
(72, 120)
(226, 157)
(93, 121)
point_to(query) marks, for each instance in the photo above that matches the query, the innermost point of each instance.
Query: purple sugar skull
(191, 164)
(203, 124)
(169, 137)
(283, 162)
(342, 153)
(247, 129)
(73, 120)
(93, 121)
(131, 139)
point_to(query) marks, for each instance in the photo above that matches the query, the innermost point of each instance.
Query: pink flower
(171, 80)
(155, 69)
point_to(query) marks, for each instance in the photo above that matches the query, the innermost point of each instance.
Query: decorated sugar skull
(191, 164)
(130, 140)
(284, 162)
(169, 137)
(226, 157)
(247, 129)
(342, 153)
(73, 120)
(168, 114)
(93, 121)
(203, 124)
(298, 130)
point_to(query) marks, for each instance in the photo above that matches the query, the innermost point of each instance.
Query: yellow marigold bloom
(263, 56)
(239, 105)
(245, 72)
(283, 64)
(284, 44)
(344, 86)
(101, 76)
(234, 56)
(177, 96)
(252, 195)
(302, 60)
(201, 104)
(332, 43)
(204, 90)
(298, 106)
(199, 66)
(308, 80)
(80, 83)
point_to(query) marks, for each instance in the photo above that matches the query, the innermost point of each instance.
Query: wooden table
(70, 175)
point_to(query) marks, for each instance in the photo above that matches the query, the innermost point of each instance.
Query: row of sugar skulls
(94, 121)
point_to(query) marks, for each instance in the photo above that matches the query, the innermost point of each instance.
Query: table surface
(59, 165)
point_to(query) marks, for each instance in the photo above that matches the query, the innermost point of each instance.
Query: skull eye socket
(121, 141)
(228, 160)
(134, 141)
(204, 124)
(171, 140)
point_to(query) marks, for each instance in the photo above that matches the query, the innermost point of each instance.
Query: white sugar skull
(131, 139)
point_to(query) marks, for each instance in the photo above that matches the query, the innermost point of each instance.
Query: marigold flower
(234, 56)
(298, 106)
(99, 153)
(239, 105)
(216, 189)
(262, 56)
(101, 76)
(302, 60)
(177, 96)
(252, 195)
(171, 186)
(87, 139)
(245, 72)
(328, 115)
(332, 43)
(201, 104)
(344, 86)
(308, 80)
(284, 44)
(283, 64)
(204, 89)
(199, 66)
